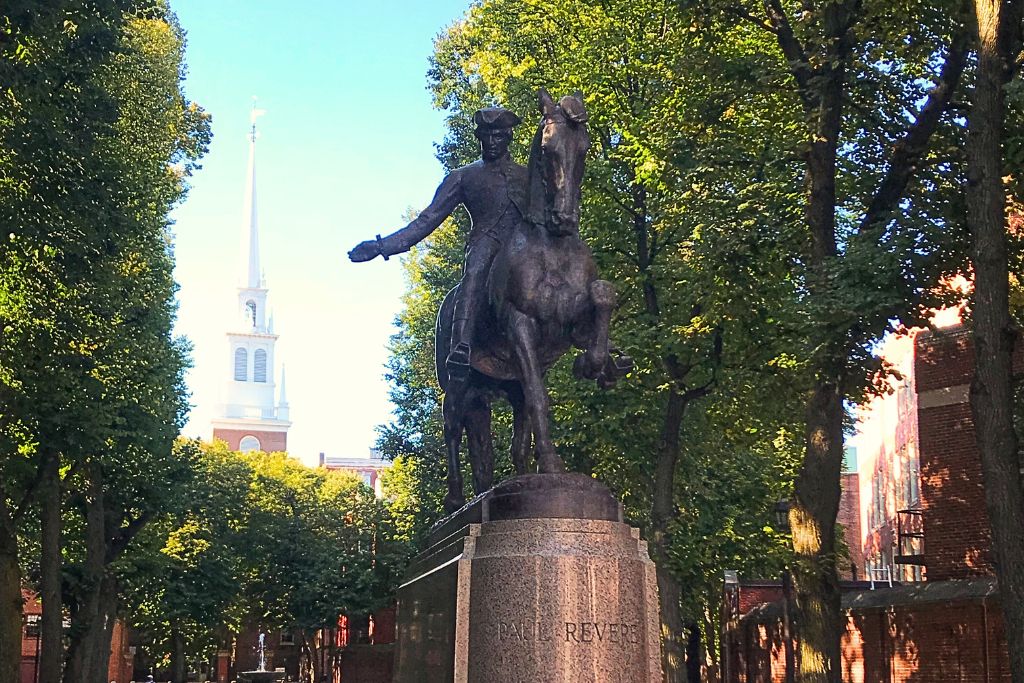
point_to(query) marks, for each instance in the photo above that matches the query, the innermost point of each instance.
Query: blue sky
(346, 147)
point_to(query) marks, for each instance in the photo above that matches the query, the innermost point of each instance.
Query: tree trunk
(102, 632)
(313, 655)
(88, 619)
(813, 521)
(673, 653)
(693, 652)
(179, 672)
(816, 491)
(10, 600)
(51, 646)
(992, 389)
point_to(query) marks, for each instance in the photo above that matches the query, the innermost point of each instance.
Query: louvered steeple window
(260, 366)
(241, 364)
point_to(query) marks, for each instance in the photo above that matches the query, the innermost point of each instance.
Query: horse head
(560, 148)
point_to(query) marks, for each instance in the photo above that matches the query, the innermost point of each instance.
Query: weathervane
(255, 114)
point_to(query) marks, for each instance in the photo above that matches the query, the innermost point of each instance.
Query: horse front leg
(478, 438)
(452, 411)
(524, 336)
(596, 361)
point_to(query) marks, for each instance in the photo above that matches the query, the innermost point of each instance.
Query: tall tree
(995, 334)
(859, 83)
(97, 143)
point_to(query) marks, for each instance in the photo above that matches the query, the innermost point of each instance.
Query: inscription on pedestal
(582, 632)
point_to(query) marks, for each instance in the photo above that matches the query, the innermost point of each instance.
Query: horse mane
(535, 196)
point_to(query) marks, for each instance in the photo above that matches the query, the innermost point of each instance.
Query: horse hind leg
(481, 448)
(451, 409)
(522, 435)
(523, 333)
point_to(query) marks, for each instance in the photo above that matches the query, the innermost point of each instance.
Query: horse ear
(574, 108)
(547, 105)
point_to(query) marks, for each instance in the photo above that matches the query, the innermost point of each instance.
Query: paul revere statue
(493, 190)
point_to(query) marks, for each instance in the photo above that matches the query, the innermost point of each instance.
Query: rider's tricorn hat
(495, 118)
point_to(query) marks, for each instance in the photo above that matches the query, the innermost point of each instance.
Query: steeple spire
(251, 274)
(250, 419)
(282, 402)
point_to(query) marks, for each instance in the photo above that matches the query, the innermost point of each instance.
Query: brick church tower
(250, 419)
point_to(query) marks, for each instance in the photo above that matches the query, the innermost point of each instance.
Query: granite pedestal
(536, 581)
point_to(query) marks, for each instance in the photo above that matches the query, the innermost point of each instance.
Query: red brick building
(368, 470)
(924, 525)
(355, 651)
(122, 654)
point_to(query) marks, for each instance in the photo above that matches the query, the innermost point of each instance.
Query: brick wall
(270, 442)
(956, 524)
(119, 666)
(960, 640)
(849, 517)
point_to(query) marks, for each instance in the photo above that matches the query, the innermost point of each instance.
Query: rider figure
(493, 190)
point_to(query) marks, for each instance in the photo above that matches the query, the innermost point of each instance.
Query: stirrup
(458, 362)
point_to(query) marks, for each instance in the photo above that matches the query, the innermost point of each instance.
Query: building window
(259, 369)
(32, 622)
(241, 364)
(250, 312)
(287, 638)
(249, 443)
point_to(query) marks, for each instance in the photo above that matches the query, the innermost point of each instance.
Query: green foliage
(260, 538)
(96, 144)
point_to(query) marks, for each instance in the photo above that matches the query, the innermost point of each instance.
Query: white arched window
(259, 368)
(249, 443)
(250, 312)
(241, 364)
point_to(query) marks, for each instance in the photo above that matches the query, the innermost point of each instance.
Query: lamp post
(782, 518)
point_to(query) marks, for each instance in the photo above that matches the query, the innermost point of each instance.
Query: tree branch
(744, 14)
(794, 52)
(120, 542)
(907, 153)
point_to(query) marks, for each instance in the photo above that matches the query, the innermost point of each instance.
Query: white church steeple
(252, 276)
(250, 418)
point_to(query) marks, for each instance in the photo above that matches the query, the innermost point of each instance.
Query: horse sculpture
(545, 297)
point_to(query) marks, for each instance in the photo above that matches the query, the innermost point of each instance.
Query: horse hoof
(453, 503)
(550, 464)
(582, 368)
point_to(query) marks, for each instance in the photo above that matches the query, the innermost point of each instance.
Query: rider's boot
(458, 358)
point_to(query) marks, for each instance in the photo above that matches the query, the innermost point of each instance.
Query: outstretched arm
(447, 197)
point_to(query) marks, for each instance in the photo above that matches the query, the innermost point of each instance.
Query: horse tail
(443, 337)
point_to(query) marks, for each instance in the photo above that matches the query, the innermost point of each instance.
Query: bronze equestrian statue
(543, 296)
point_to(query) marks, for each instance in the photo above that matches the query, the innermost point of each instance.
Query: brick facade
(957, 537)
(119, 667)
(948, 627)
(893, 635)
(849, 517)
(270, 442)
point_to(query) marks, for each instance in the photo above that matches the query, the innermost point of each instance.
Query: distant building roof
(375, 461)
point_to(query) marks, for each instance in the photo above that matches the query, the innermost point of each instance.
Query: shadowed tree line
(96, 145)
(102, 513)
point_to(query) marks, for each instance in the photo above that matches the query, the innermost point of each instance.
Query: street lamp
(782, 518)
(782, 515)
